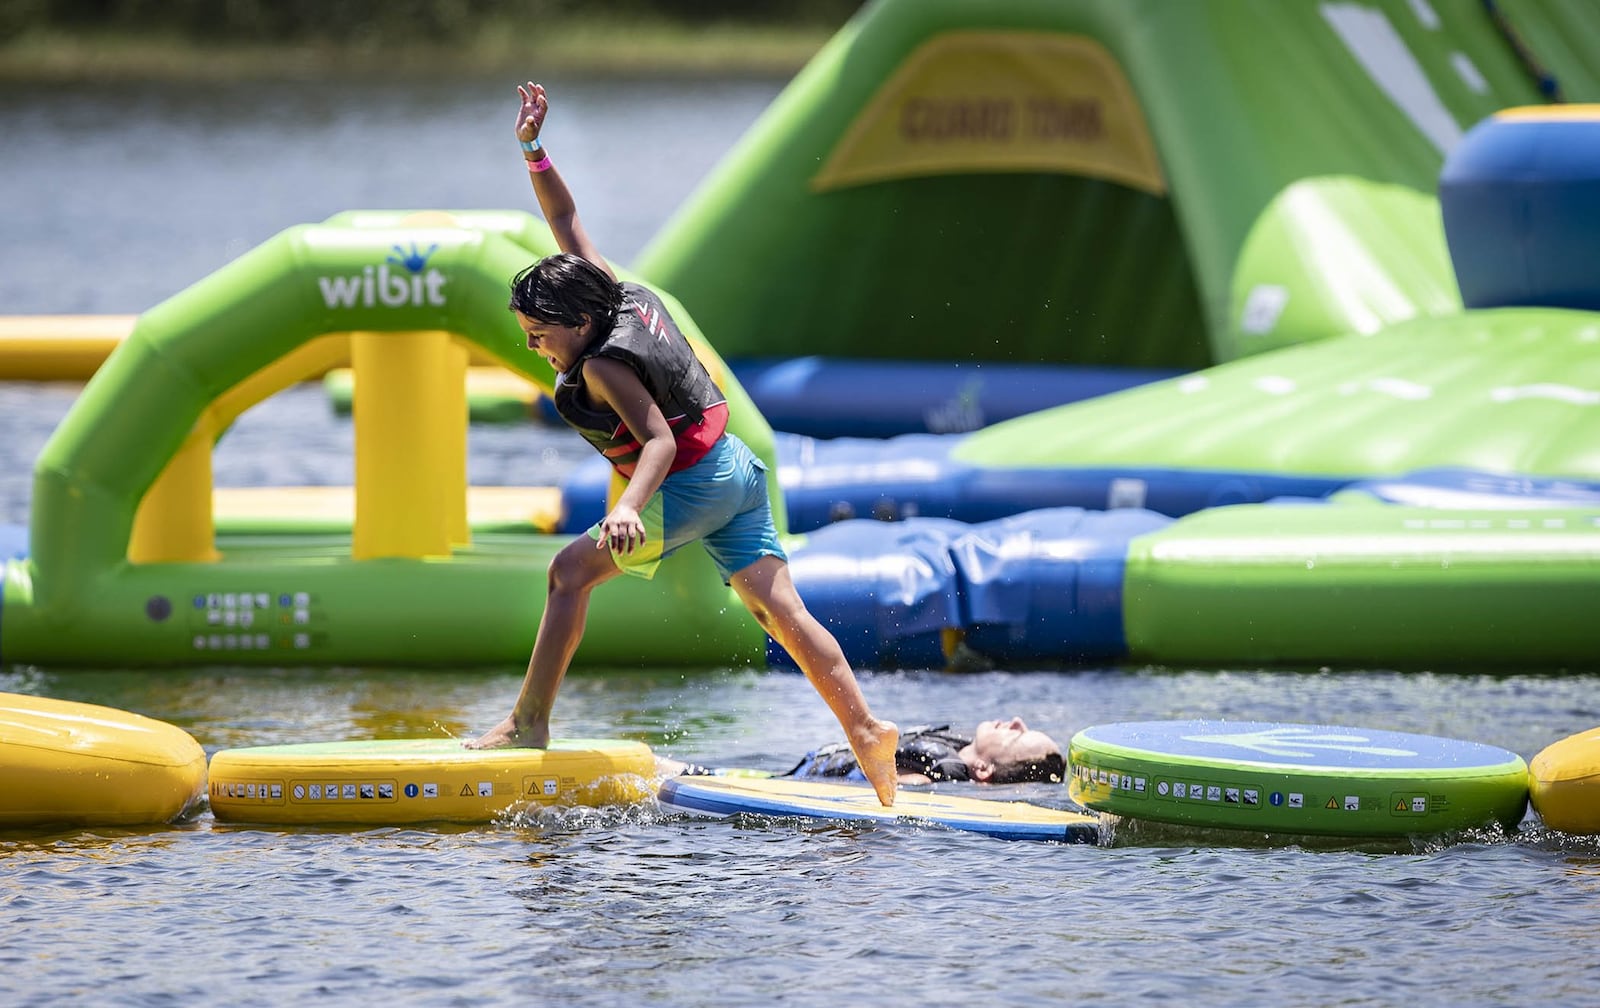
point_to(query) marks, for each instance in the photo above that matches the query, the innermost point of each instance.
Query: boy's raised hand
(530, 118)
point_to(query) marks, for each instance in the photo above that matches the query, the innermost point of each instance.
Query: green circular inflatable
(1324, 780)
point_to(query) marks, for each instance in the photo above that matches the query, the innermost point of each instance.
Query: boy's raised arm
(555, 199)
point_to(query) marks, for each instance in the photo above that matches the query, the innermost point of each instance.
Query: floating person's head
(1009, 752)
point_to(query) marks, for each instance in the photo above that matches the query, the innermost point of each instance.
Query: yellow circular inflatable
(79, 764)
(1564, 783)
(395, 781)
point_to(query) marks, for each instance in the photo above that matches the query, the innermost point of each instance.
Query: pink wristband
(541, 165)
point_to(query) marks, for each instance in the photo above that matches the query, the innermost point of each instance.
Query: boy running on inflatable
(627, 380)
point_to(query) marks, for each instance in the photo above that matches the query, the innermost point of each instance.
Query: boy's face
(560, 345)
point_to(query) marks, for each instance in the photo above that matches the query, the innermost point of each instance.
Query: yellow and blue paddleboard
(787, 796)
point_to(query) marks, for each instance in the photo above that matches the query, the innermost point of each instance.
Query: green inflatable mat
(1312, 779)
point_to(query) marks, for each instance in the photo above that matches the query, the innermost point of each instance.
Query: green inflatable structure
(1242, 191)
(1139, 183)
(95, 589)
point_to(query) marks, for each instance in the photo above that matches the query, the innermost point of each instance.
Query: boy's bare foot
(507, 735)
(666, 767)
(874, 748)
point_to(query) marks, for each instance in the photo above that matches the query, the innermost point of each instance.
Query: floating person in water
(628, 381)
(997, 752)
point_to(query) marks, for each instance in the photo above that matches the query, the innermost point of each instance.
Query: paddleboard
(397, 781)
(789, 797)
(1324, 780)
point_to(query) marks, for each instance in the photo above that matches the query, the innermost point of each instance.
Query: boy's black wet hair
(562, 288)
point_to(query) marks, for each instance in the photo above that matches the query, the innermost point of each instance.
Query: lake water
(112, 201)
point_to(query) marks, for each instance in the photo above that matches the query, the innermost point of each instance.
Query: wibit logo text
(404, 279)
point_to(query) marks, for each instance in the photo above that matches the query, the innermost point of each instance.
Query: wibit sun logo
(411, 282)
(414, 261)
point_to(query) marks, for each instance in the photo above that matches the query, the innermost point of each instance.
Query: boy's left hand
(622, 530)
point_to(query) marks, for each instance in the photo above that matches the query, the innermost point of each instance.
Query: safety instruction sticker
(306, 791)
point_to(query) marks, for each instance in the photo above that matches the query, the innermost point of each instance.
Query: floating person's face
(1008, 743)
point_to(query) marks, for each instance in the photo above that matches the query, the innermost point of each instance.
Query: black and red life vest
(647, 340)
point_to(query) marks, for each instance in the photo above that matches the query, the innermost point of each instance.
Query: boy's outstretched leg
(768, 592)
(574, 572)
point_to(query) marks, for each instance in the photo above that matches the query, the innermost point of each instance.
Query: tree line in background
(345, 21)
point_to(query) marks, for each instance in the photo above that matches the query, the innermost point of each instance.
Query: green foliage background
(395, 21)
(45, 41)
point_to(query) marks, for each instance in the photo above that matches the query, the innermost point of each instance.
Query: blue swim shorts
(720, 501)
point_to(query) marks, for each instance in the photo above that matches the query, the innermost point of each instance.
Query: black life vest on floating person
(646, 339)
(931, 750)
